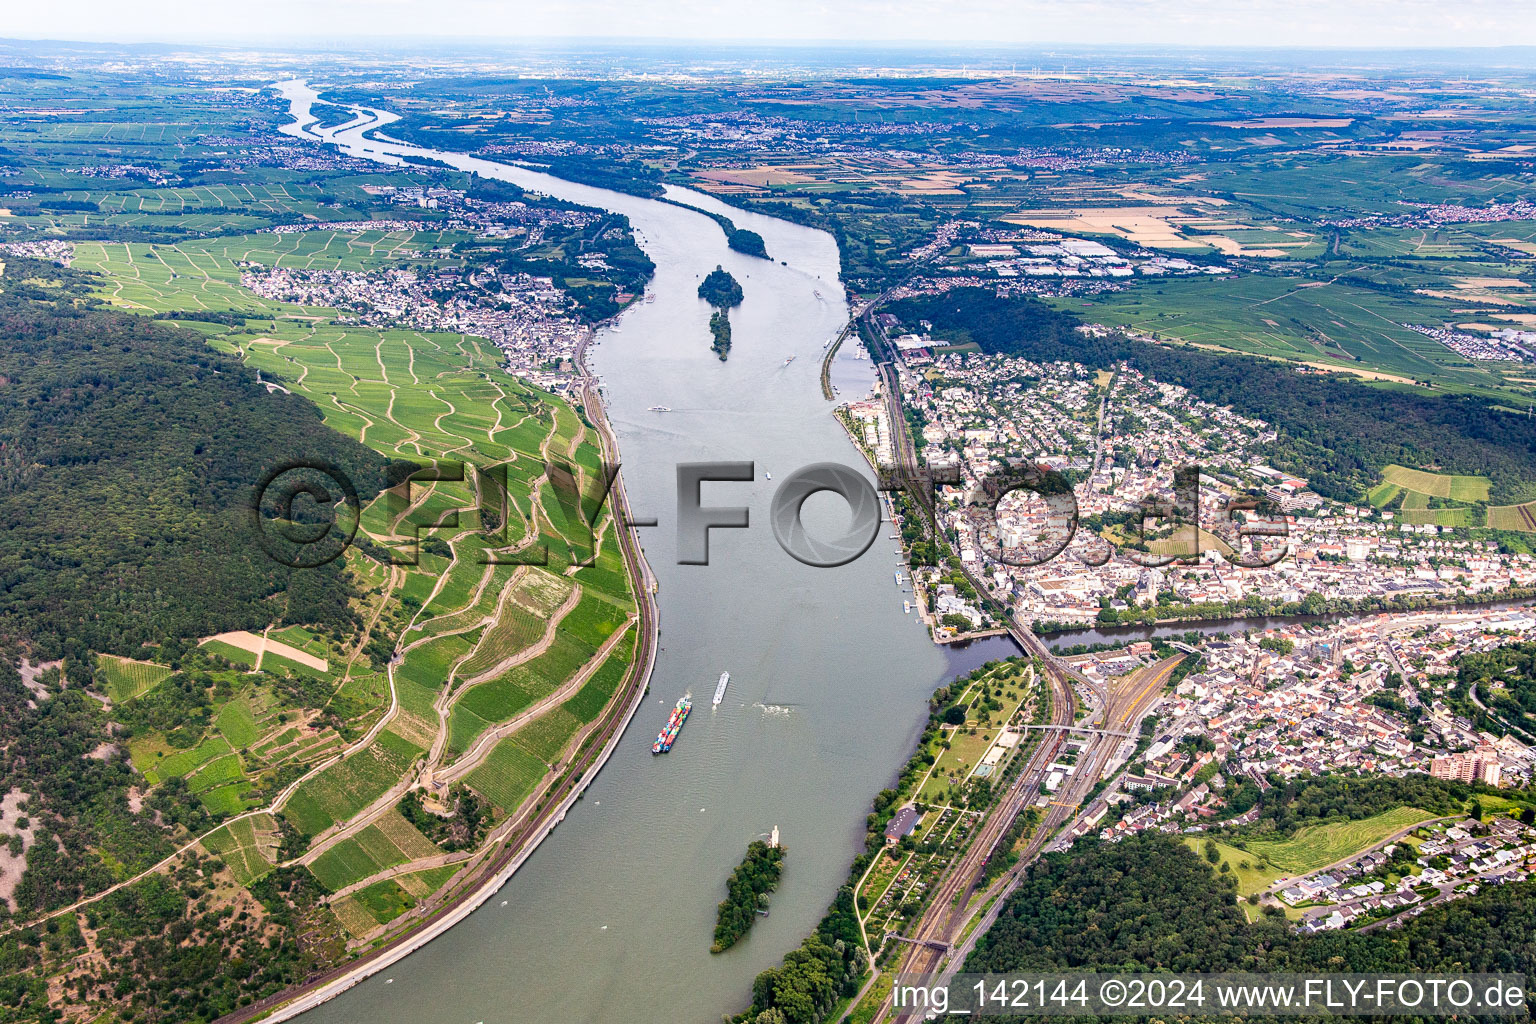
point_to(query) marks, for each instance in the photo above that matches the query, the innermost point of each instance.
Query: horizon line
(322, 41)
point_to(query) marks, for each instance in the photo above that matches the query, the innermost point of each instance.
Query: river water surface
(611, 919)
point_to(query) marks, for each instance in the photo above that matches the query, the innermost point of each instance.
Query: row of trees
(1305, 800)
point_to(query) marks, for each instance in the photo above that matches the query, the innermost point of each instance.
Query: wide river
(611, 919)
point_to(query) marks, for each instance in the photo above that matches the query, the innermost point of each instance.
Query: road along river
(611, 918)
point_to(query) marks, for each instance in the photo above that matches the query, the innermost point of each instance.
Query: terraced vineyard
(511, 643)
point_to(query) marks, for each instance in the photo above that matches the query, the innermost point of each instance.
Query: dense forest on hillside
(129, 453)
(1338, 433)
(1151, 903)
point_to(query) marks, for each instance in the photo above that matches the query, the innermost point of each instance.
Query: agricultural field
(594, 619)
(127, 679)
(231, 653)
(168, 179)
(1422, 498)
(277, 738)
(1520, 518)
(384, 901)
(305, 641)
(424, 883)
(390, 841)
(1438, 485)
(517, 630)
(152, 760)
(546, 736)
(499, 700)
(508, 775)
(408, 394)
(1251, 874)
(1384, 494)
(346, 788)
(1452, 517)
(1316, 846)
(247, 846)
(1327, 324)
(204, 275)
(426, 395)
(161, 279)
(595, 694)
(365, 910)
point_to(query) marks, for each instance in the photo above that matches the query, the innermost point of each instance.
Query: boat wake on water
(776, 709)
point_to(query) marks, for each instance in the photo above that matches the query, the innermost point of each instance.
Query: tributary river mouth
(611, 918)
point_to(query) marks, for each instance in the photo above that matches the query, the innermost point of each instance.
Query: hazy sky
(1196, 22)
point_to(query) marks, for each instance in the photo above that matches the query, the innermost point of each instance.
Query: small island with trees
(720, 327)
(747, 893)
(739, 239)
(722, 291)
(745, 241)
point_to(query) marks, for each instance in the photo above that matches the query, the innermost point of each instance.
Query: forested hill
(1340, 433)
(1151, 903)
(129, 451)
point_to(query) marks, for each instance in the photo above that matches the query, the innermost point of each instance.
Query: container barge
(668, 734)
